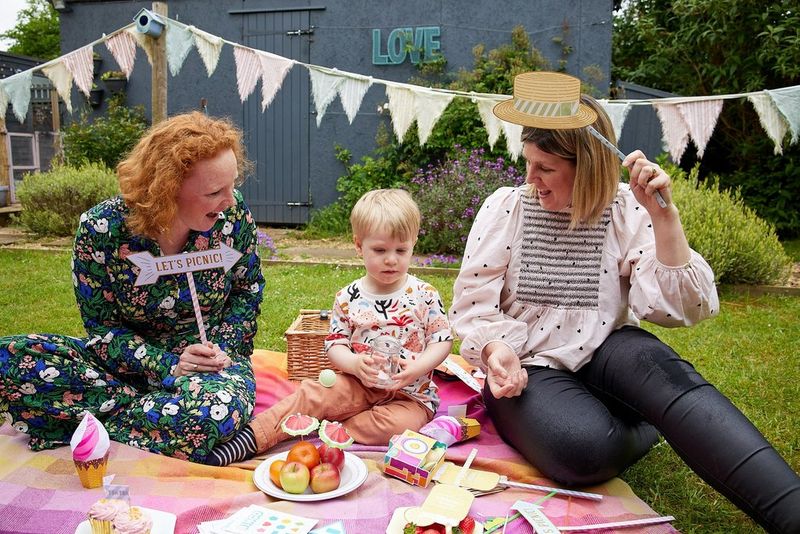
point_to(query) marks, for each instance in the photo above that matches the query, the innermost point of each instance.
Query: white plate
(353, 475)
(163, 522)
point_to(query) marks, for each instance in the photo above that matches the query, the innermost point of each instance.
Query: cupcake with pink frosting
(90, 444)
(133, 521)
(102, 514)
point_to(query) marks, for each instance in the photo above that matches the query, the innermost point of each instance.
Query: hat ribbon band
(546, 109)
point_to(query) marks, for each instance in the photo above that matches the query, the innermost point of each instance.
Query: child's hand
(409, 373)
(366, 371)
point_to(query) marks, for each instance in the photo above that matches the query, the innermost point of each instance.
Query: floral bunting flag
(324, 88)
(18, 89)
(351, 93)
(179, 42)
(674, 130)
(428, 107)
(209, 46)
(273, 71)
(401, 106)
(771, 119)
(787, 100)
(61, 77)
(617, 112)
(248, 70)
(700, 118)
(123, 47)
(490, 121)
(80, 64)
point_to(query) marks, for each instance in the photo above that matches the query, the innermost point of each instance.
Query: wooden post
(159, 76)
(5, 172)
(55, 111)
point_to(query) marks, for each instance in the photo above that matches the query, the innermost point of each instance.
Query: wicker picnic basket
(305, 351)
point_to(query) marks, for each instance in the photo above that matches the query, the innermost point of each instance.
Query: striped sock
(240, 447)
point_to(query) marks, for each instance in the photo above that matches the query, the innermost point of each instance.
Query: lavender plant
(266, 245)
(449, 195)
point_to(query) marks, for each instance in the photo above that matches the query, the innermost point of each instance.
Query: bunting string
(682, 118)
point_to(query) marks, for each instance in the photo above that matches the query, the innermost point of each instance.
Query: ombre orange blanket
(40, 491)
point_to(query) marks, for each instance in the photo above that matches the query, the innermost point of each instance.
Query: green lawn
(750, 352)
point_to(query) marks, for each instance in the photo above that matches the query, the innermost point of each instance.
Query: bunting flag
(771, 119)
(179, 42)
(3, 100)
(248, 70)
(513, 134)
(492, 124)
(123, 48)
(273, 71)
(674, 130)
(80, 64)
(429, 106)
(787, 100)
(145, 42)
(324, 88)
(700, 118)
(209, 46)
(61, 78)
(351, 93)
(18, 89)
(401, 106)
(617, 112)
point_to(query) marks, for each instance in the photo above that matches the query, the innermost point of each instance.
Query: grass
(749, 352)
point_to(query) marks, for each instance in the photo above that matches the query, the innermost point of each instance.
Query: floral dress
(122, 372)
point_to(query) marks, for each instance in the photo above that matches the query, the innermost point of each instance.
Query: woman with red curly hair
(142, 370)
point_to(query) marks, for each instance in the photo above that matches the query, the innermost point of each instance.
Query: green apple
(294, 477)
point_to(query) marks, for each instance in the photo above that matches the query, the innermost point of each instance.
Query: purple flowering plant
(266, 245)
(450, 193)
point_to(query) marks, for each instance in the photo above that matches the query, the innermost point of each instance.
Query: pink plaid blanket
(40, 492)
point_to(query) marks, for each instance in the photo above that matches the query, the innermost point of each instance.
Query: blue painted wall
(343, 38)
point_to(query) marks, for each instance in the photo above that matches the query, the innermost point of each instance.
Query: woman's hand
(646, 179)
(504, 373)
(199, 358)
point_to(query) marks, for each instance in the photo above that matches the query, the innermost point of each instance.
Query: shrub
(107, 139)
(450, 194)
(741, 247)
(53, 201)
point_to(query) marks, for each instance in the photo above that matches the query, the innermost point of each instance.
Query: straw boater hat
(548, 100)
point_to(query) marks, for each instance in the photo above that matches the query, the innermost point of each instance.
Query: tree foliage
(37, 33)
(708, 47)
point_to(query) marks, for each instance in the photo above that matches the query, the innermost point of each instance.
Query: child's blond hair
(391, 210)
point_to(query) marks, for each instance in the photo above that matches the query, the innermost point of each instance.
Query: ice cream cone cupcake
(90, 444)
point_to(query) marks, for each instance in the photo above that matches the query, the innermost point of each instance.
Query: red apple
(331, 455)
(294, 477)
(324, 477)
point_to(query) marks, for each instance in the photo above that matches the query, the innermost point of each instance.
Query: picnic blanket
(40, 491)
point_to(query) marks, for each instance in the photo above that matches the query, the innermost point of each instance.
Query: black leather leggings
(586, 427)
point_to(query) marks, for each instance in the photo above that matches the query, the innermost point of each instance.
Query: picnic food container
(305, 345)
(413, 458)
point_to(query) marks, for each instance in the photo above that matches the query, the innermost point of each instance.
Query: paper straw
(620, 524)
(197, 314)
(465, 468)
(609, 145)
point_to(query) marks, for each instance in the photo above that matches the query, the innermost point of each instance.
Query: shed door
(277, 140)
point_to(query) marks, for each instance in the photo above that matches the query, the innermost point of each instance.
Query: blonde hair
(152, 174)
(392, 210)
(596, 167)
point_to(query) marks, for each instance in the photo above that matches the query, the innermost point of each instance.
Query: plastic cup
(386, 357)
